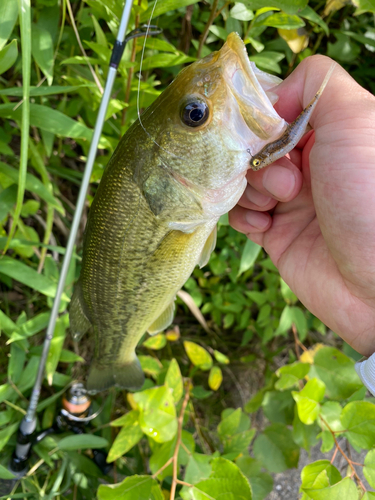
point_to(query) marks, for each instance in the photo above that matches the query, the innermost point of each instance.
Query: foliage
(184, 435)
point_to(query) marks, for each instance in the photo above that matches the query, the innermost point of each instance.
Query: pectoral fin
(208, 248)
(164, 320)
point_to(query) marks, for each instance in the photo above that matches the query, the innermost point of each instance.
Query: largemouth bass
(174, 173)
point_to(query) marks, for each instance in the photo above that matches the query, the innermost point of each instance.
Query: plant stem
(178, 442)
(203, 36)
(350, 463)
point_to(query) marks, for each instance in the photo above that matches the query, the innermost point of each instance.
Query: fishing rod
(26, 431)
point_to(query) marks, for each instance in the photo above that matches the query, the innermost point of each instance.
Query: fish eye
(194, 113)
(256, 162)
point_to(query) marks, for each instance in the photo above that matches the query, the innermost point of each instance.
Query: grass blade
(25, 23)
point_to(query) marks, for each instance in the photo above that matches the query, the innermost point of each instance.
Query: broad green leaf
(226, 482)
(344, 49)
(173, 380)
(310, 14)
(358, 418)
(215, 378)
(308, 400)
(26, 275)
(8, 18)
(155, 342)
(8, 56)
(249, 254)
(219, 32)
(288, 6)
(164, 6)
(279, 406)
(304, 435)
(221, 358)
(5, 434)
(42, 51)
(241, 12)
(268, 61)
(70, 357)
(132, 488)
(275, 448)
(157, 417)
(369, 468)
(337, 372)
(319, 474)
(364, 6)
(331, 413)
(344, 489)
(151, 366)
(291, 374)
(56, 345)
(81, 442)
(198, 355)
(198, 468)
(261, 482)
(163, 61)
(32, 184)
(286, 292)
(128, 437)
(6, 474)
(84, 464)
(283, 21)
(162, 453)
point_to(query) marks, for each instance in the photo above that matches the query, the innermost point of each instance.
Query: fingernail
(256, 197)
(257, 219)
(279, 181)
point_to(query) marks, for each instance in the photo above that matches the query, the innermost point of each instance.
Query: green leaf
(275, 448)
(128, 437)
(319, 474)
(337, 372)
(291, 375)
(5, 434)
(151, 366)
(364, 6)
(358, 418)
(155, 342)
(198, 468)
(221, 358)
(56, 345)
(8, 56)
(42, 51)
(226, 482)
(344, 489)
(279, 406)
(283, 21)
(16, 363)
(369, 468)
(241, 12)
(32, 184)
(81, 442)
(344, 49)
(249, 254)
(308, 400)
(5, 473)
(288, 6)
(164, 6)
(132, 488)
(157, 417)
(310, 14)
(8, 18)
(44, 91)
(261, 482)
(26, 275)
(198, 355)
(287, 293)
(331, 413)
(49, 119)
(173, 380)
(304, 435)
(215, 378)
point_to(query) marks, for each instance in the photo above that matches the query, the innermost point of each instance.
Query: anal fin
(208, 248)
(164, 320)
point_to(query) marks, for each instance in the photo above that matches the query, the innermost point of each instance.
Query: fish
(293, 133)
(179, 167)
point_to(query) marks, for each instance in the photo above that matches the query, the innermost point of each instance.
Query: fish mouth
(249, 86)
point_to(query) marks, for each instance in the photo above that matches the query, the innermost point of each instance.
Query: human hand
(314, 213)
